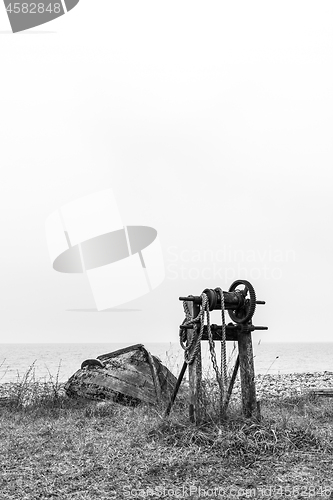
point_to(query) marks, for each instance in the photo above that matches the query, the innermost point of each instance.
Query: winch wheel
(244, 312)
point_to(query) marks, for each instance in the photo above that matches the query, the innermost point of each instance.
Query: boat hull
(128, 375)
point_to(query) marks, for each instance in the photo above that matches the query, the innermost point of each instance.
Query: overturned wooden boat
(128, 375)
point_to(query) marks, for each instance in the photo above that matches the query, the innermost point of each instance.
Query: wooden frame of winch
(241, 310)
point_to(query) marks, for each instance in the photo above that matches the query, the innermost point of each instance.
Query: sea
(57, 362)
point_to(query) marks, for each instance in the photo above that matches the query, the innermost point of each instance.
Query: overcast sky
(210, 121)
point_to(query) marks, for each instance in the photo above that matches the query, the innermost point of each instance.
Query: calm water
(15, 359)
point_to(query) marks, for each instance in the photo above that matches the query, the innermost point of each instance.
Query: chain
(213, 354)
(223, 341)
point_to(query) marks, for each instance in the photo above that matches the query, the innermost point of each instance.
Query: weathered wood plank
(216, 330)
(195, 373)
(230, 388)
(166, 378)
(114, 354)
(155, 377)
(89, 384)
(246, 365)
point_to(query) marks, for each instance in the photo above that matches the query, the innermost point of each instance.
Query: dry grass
(55, 448)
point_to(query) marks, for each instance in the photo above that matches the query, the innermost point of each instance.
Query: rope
(189, 320)
(221, 376)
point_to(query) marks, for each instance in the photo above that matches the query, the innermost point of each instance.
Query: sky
(210, 121)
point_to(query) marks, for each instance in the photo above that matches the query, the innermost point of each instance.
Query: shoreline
(267, 385)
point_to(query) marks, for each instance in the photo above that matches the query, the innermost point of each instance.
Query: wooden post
(230, 388)
(195, 372)
(175, 391)
(246, 366)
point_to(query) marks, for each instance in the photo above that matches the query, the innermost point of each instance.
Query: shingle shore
(282, 385)
(289, 384)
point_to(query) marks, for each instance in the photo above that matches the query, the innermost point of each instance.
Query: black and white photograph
(166, 249)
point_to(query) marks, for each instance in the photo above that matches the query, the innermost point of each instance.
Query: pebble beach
(267, 386)
(289, 384)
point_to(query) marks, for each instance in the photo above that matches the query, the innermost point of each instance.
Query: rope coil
(191, 350)
(189, 356)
